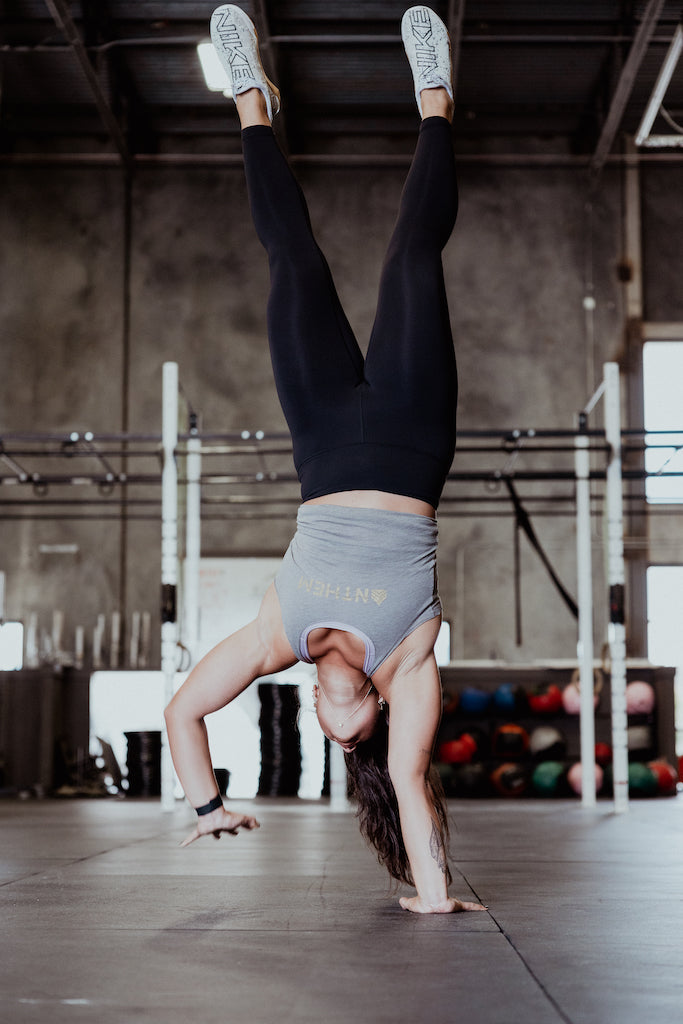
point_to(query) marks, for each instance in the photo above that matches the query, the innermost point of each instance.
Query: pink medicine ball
(571, 699)
(575, 778)
(640, 698)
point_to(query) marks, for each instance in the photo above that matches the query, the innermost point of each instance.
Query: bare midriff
(376, 499)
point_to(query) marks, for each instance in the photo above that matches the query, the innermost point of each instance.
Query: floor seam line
(551, 999)
(69, 862)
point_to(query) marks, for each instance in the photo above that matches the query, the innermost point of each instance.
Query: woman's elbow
(406, 777)
(173, 712)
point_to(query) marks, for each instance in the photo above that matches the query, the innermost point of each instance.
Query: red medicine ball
(603, 754)
(546, 700)
(667, 777)
(459, 751)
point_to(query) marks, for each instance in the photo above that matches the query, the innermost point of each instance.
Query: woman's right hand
(447, 906)
(220, 821)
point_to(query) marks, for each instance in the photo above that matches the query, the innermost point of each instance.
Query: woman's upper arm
(259, 648)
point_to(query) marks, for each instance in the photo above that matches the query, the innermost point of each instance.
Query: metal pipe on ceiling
(61, 14)
(540, 161)
(627, 79)
(348, 39)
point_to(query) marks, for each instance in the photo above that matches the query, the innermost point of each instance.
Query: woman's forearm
(189, 745)
(423, 841)
(222, 675)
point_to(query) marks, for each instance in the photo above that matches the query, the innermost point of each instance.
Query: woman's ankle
(436, 103)
(251, 108)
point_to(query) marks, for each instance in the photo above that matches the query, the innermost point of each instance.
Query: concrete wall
(81, 351)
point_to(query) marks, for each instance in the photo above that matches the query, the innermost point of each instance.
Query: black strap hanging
(523, 522)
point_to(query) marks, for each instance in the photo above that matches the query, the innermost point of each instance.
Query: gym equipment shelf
(487, 677)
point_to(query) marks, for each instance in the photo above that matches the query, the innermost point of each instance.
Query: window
(11, 646)
(663, 411)
(664, 634)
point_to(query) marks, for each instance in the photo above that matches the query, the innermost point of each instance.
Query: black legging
(386, 422)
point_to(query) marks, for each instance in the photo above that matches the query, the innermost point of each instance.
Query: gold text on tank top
(328, 591)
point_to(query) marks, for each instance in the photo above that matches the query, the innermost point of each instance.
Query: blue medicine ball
(474, 701)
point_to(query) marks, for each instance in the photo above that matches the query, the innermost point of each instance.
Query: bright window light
(215, 75)
(442, 647)
(662, 376)
(664, 638)
(11, 646)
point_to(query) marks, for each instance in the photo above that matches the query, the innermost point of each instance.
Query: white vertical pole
(615, 578)
(193, 546)
(115, 645)
(169, 563)
(134, 648)
(584, 568)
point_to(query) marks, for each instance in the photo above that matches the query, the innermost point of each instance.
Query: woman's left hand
(219, 822)
(447, 906)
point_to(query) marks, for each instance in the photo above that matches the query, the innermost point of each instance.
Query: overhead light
(215, 75)
(643, 137)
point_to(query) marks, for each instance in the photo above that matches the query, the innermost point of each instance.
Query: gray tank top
(367, 571)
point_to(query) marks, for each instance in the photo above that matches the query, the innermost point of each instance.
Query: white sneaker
(236, 43)
(428, 48)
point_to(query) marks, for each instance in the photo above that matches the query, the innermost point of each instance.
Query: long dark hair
(377, 811)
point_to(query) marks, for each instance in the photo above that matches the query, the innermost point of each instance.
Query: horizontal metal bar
(508, 38)
(245, 440)
(503, 447)
(72, 436)
(489, 476)
(340, 39)
(540, 161)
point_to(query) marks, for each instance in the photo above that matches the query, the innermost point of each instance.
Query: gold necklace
(358, 706)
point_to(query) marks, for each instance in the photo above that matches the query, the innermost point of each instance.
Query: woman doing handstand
(373, 442)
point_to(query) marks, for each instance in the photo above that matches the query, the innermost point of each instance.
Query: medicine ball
(640, 698)
(571, 699)
(546, 700)
(458, 751)
(474, 701)
(603, 754)
(640, 742)
(571, 695)
(547, 743)
(642, 781)
(510, 740)
(666, 775)
(470, 780)
(548, 777)
(509, 698)
(510, 780)
(575, 778)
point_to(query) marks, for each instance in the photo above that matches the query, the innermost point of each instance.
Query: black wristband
(212, 805)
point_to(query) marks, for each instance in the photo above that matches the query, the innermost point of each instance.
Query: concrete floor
(105, 919)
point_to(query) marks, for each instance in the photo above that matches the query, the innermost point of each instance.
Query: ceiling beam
(627, 78)
(59, 9)
(387, 161)
(456, 16)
